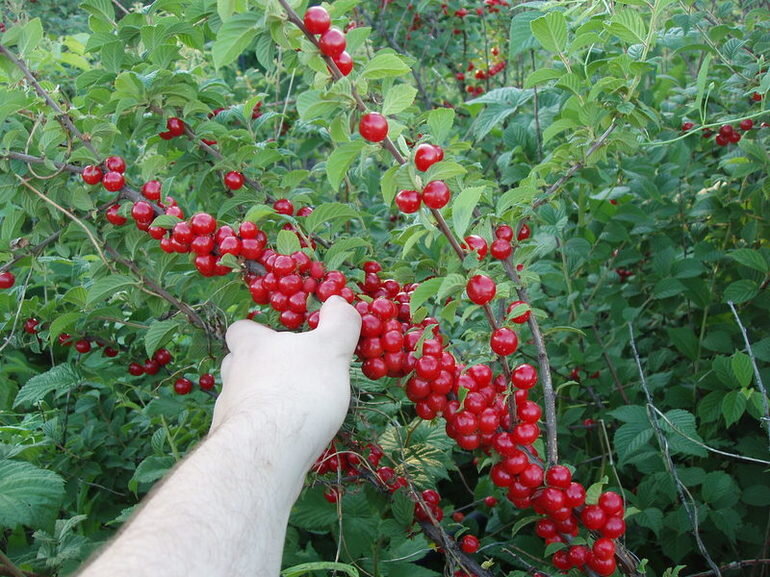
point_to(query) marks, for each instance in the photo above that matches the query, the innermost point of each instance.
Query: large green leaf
(28, 495)
(551, 31)
(60, 378)
(234, 37)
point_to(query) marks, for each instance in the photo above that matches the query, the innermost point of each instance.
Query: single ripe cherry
(504, 232)
(82, 346)
(477, 243)
(344, 62)
(162, 357)
(115, 164)
(183, 386)
(283, 206)
(113, 181)
(332, 42)
(469, 543)
(481, 289)
(523, 317)
(436, 194)
(92, 174)
(524, 232)
(7, 279)
(135, 369)
(110, 352)
(747, 124)
(175, 126)
(687, 126)
(30, 326)
(504, 341)
(206, 381)
(203, 223)
(373, 127)
(151, 190)
(425, 156)
(524, 376)
(234, 180)
(501, 249)
(408, 201)
(142, 212)
(317, 20)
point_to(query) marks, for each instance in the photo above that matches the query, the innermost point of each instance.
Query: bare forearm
(223, 511)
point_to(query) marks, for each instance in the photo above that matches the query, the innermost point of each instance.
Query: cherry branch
(13, 570)
(734, 565)
(450, 546)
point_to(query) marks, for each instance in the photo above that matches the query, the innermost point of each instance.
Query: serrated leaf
(384, 66)
(740, 363)
(258, 212)
(551, 31)
(388, 185)
(287, 242)
(750, 258)
(453, 283)
(398, 98)
(462, 208)
(542, 75)
(440, 122)
(522, 195)
(720, 490)
(234, 37)
(520, 37)
(28, 495)
(444, 170)
(425, 291)
(628, 25)
(327, 212)
(684, 339)
(523, 522)
(60, 378)
(630, 438)
(61, 323)
(159, 333)
(151, 469)
(733, 406)
(402, 507)
(340, 161)
(107, 287)
(741, 291)
(166, 221)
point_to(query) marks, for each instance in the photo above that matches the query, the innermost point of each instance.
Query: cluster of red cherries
(727, 133)
(331, 40)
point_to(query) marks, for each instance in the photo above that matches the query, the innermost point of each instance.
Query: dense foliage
(625, 146)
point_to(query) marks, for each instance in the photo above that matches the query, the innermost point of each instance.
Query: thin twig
(733, 565)
(31, 251)
(688, 504)
(757, 376)
(13, 570)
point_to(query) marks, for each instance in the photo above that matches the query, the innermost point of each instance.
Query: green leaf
(287, 242)
(225, 9)
(388, 185)
(402, 507)
(384, 66)
(444, 170)
(741, 291)
(108, 286)
(542, 75)
(632, 437)
(701, 81)
(258, 212)
(159, 333)
(750, 258)
(667, 288)
(234, 37)
(61, 378)
(150, 470)
(166, 221)
(684, 339)
(733, 406)
(720, 490)
(462, 208)
(740, 363)
(61, 323)
(325, 566)
(551, 31)
(398, 98)
(627, 24)
(30, 36)
(520, 37)
(425, 291)
(327, 212)
(440, 122)
(453, 283)
(28, 495)
(341, 159)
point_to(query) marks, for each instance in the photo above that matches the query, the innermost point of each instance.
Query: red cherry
(613, 528)
(469, 543)
(113, 181)
(332, 42)
(162, 357)
(182, 233)
(747, 124)
(576, 495)
(135, 369)
(373, 127)
(92, 174)
(524, 232)
(425, 156)
(115, 164)
(734, 137)
(524, 376)
(756, 96)
(7, 279)
(481, 289)
(687, 126)
(725, 130)
(603, 567)
(30, 326)
(529, 412)
(522, 318)
(436, 194)
(504, 232)
(532, 476)
(408, 201)
(558, 476)
(501, 249)
(234, 180)
(151, 367)
(183, 386)
(458, 516)
(593, 517)
(561, 560)
(490, 501)
(579, 555)
(317, 20)
(611, 503)
(344, 62)
(175, 126)
(82, 346)
(477, 243)
(206, 381)
(283, 206)
(504, 341)
(110, 352)
(604, 548)
(203, 223)
(151, 190)
(721, 140)
(65, 339)
(142, 212)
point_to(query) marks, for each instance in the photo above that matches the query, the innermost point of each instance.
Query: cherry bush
(552, 219)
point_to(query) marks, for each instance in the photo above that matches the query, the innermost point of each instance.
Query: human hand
(293, 389)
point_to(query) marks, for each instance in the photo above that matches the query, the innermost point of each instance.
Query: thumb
(339, 326)
(242, 334)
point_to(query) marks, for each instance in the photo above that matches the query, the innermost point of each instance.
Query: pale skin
(224, 509)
